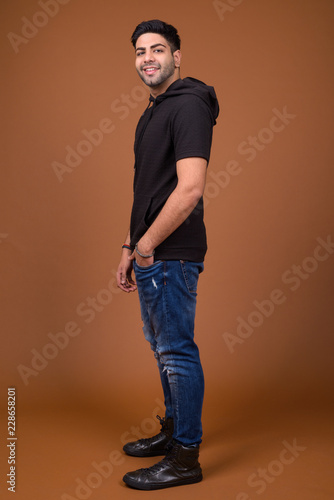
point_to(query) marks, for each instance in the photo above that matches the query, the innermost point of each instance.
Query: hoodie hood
(192, 86)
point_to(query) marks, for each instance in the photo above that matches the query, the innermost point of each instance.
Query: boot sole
(159, 486)
(148, 454)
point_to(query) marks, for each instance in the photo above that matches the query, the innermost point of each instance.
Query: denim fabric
(167, 293)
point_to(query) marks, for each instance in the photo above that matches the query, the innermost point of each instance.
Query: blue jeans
(167, 293)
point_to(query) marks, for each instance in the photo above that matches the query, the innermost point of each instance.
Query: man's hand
(142, 262)
(124, 273)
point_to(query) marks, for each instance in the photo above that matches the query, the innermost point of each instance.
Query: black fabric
(177, 125)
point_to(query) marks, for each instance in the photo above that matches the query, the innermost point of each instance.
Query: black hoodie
(178, 125)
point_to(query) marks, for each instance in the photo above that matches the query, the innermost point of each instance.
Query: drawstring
(151, 99)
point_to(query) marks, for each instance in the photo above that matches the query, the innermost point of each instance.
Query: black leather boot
(180, 466)
(153, 446)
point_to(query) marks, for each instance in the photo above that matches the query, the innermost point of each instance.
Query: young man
(166, 245)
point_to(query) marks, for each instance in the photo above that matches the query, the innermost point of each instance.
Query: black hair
(155, 26)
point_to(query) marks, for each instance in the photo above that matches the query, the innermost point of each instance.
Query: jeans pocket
(191, 271)
(147, 268)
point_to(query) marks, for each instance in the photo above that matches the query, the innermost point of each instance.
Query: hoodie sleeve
(192, 128)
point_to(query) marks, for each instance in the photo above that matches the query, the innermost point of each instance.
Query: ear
(177, 58)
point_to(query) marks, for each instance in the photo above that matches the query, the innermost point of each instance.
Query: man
(166, 245)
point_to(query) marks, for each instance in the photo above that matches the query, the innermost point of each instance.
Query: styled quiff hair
(155, 26)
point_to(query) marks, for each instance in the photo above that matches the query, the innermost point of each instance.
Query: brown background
(60, 244)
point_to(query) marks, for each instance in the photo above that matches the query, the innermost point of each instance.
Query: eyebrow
(152, 46)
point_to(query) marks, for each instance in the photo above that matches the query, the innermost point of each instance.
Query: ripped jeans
(167, 293)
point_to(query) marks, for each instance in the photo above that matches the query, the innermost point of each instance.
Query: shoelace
(159, 466)
(150, 439)
(146, 440)
(162, 421)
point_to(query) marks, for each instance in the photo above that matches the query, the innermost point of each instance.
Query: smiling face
(155, 63)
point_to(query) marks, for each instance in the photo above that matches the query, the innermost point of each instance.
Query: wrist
(126, 247)
(145, 245)
(142, 252)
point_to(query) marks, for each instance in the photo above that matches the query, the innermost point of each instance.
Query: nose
(149, 57)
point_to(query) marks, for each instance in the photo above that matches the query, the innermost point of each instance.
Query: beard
(163, 74)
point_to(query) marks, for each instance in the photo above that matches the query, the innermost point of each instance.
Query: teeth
(150, 70)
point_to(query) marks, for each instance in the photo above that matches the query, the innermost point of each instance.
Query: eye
(140, 53)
